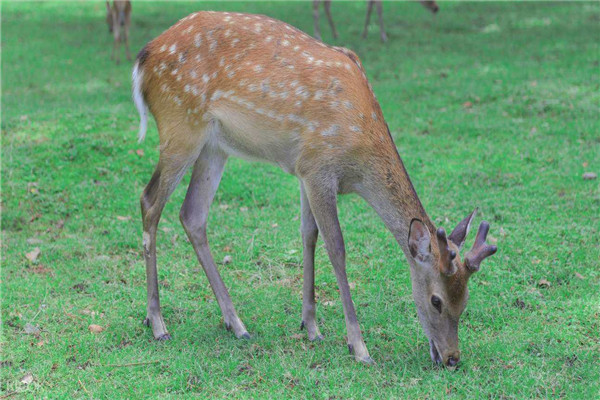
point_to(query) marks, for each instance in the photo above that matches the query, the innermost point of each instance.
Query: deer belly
(249, 137)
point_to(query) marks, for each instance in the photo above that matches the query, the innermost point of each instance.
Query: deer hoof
(164, 337)
(366, 360)
(146, 321)
(245, 335)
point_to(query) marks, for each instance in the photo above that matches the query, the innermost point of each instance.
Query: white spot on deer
(302, 92)
(252, 87)
(243, 82)
(179, 77)
(163, 48)
(227, 18)
(173, 48)
(164, 87)
(198, 40)
(163, 66)
(234, 42)
(181, 58)
(331, 131)
(347, 66)
(194, 90)
(187, 30)
(319, 95)
(214, 75)
(294, 84)
(198, 57)
(374, 116)
(175, 71)
(227, 33)
(318, 63)
(187, 88)
(268, 38)
(283, 95)
(203, 97)
(205, 78)
(257, 28)
(334, 104)
(213, 45)
(177, 100)
(193, 74)
(355, 128)
(285, 43)
(221, 62)
(296, 48)
(265, 87)
(258, 68)
(230, 74)
(348, 104)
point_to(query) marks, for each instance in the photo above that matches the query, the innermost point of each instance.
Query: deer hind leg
(323, 205)
(329, 18)
(116, 39)
(126, 37)
(169, 171)
(194, 215)
(310, 233)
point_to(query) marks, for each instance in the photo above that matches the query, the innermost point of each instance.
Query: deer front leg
(194, 215)
(380, 16)
(316, 18)
(330, 18)
(310, 233)
(127, 52)
(322, 201)
(369, 10)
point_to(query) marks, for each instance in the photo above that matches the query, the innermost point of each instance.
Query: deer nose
(452, 361)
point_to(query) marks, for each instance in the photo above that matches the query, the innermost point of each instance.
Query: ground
(491, 105)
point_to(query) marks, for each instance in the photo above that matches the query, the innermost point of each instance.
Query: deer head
(439, 281)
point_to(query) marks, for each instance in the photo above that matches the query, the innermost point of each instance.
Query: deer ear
(461, 231)
(419, 240)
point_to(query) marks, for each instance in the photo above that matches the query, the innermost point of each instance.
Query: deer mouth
(434, 353)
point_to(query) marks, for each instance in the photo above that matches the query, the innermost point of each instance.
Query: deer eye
(437, 303)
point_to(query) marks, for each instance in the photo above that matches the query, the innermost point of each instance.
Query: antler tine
(446, 255)
(480, 249)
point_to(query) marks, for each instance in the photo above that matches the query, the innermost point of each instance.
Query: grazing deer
(429, 4)
(228, 84)
(118, 18)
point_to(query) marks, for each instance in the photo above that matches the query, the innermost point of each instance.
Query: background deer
(429, 4)
(231, 84)
(118, 18)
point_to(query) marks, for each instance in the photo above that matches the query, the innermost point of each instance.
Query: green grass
(70, 173)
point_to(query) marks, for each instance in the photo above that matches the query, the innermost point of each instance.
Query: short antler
(446, 255)
(480, 249)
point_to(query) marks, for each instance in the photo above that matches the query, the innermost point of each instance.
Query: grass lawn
(491, 105)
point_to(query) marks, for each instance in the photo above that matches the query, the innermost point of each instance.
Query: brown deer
(429, 4)
(229, 84)
(118, 18)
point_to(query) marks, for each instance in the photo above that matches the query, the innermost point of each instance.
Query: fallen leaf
(140, 152)
(227, 249)
(60, 224)
(535, 261)
(122, 218)
(223, 206)
(275, 225)
(227, 259)
(174, 239)
(243, 209)
(297, 336)
(328, 303)
(31, 329)
(585, 164)
(33, 255)
(27, 379)
(352, 285)
(502, 232)
(544, 283)
(24, 117)
(578, 275)
(588, 176)
(34, 241)
(95, 328)
(467, 104)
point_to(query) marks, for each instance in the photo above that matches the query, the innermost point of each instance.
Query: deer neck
(388, 189)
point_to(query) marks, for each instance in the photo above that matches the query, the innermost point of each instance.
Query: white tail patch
(138, 98)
